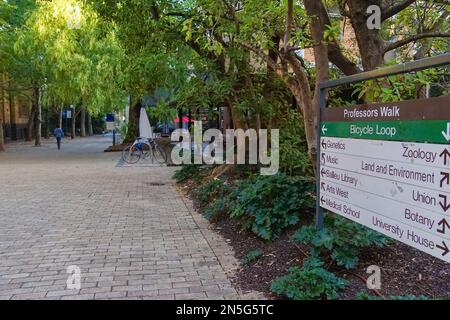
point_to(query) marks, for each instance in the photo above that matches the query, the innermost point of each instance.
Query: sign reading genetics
(387, 166)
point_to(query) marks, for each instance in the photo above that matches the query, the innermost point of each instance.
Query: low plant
(267, 205)
(342, 239)
(208, 192)
(251, 257)
(311, 281)
(219, 207)
(365, 296)
(186, 172)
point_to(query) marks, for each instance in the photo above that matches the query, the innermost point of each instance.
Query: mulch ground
(404, 270)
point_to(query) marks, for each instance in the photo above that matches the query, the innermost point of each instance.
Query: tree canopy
(245, 56)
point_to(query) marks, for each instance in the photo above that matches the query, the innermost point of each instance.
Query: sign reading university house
(387, 166)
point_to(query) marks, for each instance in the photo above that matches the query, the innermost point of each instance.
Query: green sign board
(424, 131)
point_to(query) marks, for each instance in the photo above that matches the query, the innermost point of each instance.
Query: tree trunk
(38, 116)
(90, 128)
(371, 45)
(2, 138)
(73, 124)
(12, 121)
(318, 25)
(47, 124)
(133, 122)
(60, 116)
(83, 122)
(30, 123)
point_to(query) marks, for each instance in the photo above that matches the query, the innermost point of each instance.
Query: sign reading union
(387, 166)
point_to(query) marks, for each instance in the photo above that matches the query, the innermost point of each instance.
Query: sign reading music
(387, 166)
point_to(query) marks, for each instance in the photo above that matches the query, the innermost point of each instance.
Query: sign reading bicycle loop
(387, 166)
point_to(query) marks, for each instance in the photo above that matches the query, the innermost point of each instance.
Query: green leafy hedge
(266, 205)
(187, 172)
(342, 239)
(311, 281)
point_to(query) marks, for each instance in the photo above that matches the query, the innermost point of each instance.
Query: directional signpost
(387, 166)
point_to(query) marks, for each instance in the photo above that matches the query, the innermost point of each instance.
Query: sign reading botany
(387, 166)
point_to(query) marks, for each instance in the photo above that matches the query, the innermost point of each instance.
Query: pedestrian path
(125, 229)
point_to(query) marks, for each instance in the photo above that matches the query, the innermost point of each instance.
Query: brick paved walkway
(127, 229)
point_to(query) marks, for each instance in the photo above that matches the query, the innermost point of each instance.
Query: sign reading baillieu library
(387, 166)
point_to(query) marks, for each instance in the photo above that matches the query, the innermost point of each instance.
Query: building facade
(15, 115)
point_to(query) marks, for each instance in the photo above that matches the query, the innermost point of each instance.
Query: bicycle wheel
(146, 151)
(131, 154)
(159, 155)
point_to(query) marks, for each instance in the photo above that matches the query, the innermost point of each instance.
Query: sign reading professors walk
(387, 166)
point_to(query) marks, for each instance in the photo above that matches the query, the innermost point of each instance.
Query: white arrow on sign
(324, 129)
(445, 134)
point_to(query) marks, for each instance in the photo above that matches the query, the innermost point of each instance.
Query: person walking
(59, 133)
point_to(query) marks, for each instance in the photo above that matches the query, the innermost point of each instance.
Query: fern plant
(342, 239)
(311, 281)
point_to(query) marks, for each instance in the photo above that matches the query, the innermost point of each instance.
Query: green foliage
(123, 129)
(311, 281)
(219, 207)
(187, 172)
(365, 296)
(294, 158)
(267, 205)
(251, 257)
(398, 87)
(342, 239)
(163, 112)
(206, 194)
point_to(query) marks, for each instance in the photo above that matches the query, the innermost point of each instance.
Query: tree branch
(401, 43)
(289, 24)
(392, 10)
(260, 53)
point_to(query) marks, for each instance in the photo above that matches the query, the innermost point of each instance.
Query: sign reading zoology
(387, 166)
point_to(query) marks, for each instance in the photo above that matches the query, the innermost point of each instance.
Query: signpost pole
(319, 210)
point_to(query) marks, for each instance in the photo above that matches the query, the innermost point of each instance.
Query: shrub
(206, 193)
(220, 206)
(311, 281)
(341, 238)
(252, 256)
(365, 296)
(186, 172)
(294, 158)
(267, 205)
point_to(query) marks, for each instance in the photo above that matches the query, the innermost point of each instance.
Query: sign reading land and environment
(387, 166)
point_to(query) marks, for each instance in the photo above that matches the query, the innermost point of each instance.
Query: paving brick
(130, 238)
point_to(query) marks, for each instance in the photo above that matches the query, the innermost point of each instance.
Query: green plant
(266, 205)
(123, 129)
(311, 281)
(341, 238)
(220, 206)
(251, 257)
(365, 296)
(186, 172)
(162, 112)
(294, 158)
(206, 193)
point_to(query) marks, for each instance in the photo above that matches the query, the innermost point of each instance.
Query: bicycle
(144, 148)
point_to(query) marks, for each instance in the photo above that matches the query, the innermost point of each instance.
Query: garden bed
(404, 270)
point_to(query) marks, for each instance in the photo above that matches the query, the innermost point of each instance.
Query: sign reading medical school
(387, 166)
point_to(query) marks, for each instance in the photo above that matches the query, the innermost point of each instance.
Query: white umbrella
(145, 129)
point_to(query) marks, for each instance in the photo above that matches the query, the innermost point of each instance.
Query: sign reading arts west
(387, 166)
